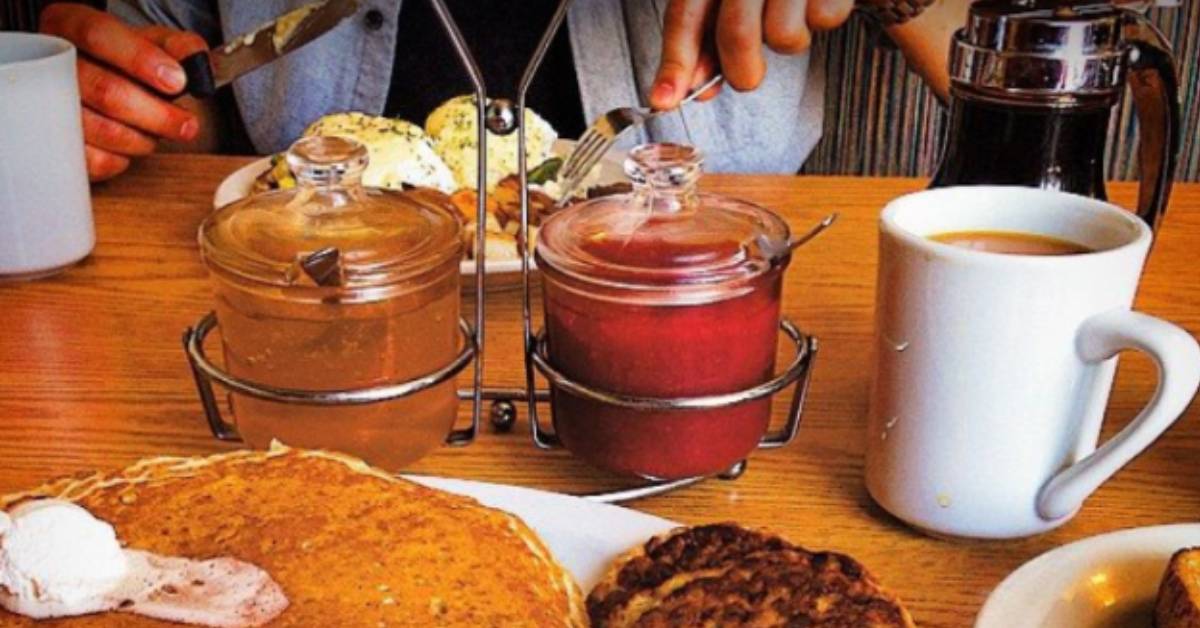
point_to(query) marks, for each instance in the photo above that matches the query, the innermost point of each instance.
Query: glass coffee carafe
(1032, 86)
(332, 286)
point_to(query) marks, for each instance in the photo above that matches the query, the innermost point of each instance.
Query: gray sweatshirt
(616, 45)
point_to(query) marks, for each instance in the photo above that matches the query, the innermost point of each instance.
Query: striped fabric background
(18, 14)
(881, 120)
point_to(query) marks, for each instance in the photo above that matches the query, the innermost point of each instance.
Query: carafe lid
(1041, 49)
(664, 236)
(330, 231)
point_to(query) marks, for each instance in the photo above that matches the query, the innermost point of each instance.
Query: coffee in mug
(1010, 242)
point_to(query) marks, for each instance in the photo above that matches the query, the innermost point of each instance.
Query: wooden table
(92, 375)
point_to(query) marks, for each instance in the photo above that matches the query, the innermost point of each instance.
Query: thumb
(684, 27)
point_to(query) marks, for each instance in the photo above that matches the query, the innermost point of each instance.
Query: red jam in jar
(662, 293)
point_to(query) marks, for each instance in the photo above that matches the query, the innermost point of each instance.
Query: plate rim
(989, 613)
(447, 483)
(647, 525)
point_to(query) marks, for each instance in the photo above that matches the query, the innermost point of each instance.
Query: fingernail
(663, 91)
(171, 77)
(189, 129)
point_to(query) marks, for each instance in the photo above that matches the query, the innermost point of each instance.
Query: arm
(925, 41)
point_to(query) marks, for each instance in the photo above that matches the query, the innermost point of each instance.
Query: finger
(106, 38)
(120, 99)
(102, 165)
(108, 134)
(740, 43)
(785, 25)
(706, 68)
(683, 35)
(178, 44)
(824, 15)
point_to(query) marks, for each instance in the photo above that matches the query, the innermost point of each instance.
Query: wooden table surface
(92, 376)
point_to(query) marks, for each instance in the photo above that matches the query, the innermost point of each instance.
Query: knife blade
(208, 71)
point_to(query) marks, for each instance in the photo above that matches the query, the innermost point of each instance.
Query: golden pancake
(349, 544)
(726, 575)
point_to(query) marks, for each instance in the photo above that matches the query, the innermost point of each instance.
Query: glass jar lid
(664, 235)
(330, 231)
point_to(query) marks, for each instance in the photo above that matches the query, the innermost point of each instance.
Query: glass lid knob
(323, 160)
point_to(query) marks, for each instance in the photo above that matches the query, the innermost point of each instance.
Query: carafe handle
(1155, 84)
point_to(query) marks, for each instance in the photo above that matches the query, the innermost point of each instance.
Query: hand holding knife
(128, 74)
(209, 71)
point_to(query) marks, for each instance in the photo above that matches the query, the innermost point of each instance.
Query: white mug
(45, 204)
(993, 370)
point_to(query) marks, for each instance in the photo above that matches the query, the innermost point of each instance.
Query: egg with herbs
(400, 151)
(453, 127)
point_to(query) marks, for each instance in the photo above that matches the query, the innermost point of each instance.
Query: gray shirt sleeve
(199, 16)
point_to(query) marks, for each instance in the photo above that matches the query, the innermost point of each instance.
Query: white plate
(585, 536)
(239, 184)
(1106, 581)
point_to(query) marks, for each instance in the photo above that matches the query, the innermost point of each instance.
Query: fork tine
(584, 165)
(588, 158)
(585, 143)
(572, 163)
(594, 155)
(586, 152)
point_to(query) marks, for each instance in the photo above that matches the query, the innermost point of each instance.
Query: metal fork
(603, 133)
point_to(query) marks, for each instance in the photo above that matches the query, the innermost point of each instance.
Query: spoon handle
(695, 93)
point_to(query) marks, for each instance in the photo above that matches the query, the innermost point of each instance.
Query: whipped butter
(57, 560)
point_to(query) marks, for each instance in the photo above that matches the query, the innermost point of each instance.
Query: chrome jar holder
(504, 117)
(798, 372)
(205, 372)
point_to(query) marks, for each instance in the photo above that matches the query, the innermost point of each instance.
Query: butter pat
(56, 555)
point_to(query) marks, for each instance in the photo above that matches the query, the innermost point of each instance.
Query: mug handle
(1177, 357)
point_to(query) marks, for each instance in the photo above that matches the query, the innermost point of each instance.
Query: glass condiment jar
(665, 293)
(335, 286)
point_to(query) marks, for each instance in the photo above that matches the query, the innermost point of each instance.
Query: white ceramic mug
(45, 204)
(993, 370)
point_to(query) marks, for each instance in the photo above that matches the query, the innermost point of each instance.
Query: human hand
(124, 74)
(701, 35)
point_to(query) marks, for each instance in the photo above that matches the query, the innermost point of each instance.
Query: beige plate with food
(238, 185)
(1107, 581)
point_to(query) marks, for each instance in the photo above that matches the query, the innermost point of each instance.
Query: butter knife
(209, 71)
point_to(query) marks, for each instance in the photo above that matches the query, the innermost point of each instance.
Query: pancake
(725, 575)
(349, 544)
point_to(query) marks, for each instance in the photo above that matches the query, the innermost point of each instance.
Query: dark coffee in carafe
(1032, 86)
